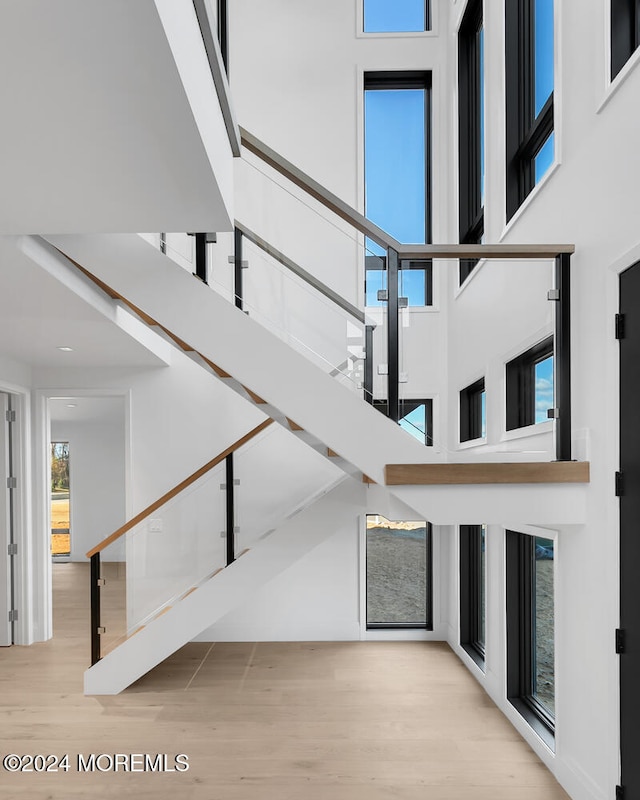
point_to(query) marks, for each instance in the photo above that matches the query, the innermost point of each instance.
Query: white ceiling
(38, 314)
(97, 131)
(86, 409)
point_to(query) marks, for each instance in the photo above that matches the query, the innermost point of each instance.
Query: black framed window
(416, 417)
(530, 630)
(223, 32)
(473, 413)
(399, 586)
(397, 155)
(529, 51)
(471, 131)
(529, 379)
(473, 590)
(397, 16)
(415, 282)
(625, 32)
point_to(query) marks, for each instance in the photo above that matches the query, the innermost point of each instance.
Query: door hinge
(619, 792)
(12, 549)
(13, 615)
(620, 640)
(10, 416)
(12, 483)
(620, 326)
(619, 484)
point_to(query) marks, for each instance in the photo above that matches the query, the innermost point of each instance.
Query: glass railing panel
(329, 332)
(113, 596)
(157, 562)
(276, 475)
(298, 225)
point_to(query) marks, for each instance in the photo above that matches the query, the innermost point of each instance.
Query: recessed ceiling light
(66, 349)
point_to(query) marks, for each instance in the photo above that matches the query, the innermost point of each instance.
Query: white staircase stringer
(228, 589)
(257, 359)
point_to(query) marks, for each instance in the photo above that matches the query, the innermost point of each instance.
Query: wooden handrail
(177, 489)
(381, 237)
(488, 472)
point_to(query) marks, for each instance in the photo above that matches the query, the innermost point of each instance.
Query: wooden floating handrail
(488, 472)
(177, 489)
(381, 237)
(316, 190)
(307, 277)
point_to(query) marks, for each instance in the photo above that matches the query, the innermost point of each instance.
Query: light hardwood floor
(263, 721)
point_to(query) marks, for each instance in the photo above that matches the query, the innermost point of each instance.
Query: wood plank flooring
(262, 721)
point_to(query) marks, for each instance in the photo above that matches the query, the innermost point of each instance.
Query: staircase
(230, 587)
(252, 361)
(305, 400)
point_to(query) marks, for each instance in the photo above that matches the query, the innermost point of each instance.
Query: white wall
(322, 596)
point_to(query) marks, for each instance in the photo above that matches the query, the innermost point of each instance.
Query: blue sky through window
(415, 423)
(543, 388)
(394, 16)
(395, 162)
(543, 52)
(544, 159)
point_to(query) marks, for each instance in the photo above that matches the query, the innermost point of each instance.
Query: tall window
(398, 573)
(530, 630)
(396, 16)
(473, 412)
(471, 130)
(473, 590)
(529, 96)
(397, 108)
(625, 32)
(529, 380)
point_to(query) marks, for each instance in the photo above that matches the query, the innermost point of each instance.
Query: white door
(5, 525)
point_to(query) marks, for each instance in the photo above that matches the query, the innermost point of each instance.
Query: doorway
(629, 539)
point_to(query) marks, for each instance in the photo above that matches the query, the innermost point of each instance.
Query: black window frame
(520, 554)
(625, 32)
(526, 133)
(428, 625)
(520, 384)
(471, 411)
(223, 32)
(427, 20)
(472, 584)
(406, 407)
(470, 207)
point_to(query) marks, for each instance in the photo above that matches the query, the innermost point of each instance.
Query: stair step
(255, 397)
